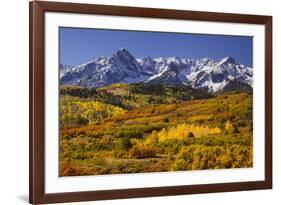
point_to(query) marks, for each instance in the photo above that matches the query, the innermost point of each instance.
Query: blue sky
(79, 45)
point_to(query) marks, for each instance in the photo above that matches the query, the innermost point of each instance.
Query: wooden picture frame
(37, 150)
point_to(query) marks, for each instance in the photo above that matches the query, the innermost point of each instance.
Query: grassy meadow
(141, 128)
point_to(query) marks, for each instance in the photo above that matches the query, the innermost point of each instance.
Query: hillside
(181, 133)
(130, 96)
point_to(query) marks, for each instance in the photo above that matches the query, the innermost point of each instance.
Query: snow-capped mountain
(211, 75)
(64, 69)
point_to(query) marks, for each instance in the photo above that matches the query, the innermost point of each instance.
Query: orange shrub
(140, 151)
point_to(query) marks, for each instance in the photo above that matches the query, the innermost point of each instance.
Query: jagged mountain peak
(123, 52)
(124, 55)
(123, 67)
(228, 60)
(145, 58)
(174, 60)
(206, 59)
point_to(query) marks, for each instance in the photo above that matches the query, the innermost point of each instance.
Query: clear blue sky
(78, 45)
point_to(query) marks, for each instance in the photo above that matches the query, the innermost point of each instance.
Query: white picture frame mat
(56, 184)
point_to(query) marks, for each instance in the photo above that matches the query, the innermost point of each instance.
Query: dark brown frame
(37, 95)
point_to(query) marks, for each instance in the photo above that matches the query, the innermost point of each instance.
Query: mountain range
(207, 74)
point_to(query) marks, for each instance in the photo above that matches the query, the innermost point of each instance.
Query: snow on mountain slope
(122, 67)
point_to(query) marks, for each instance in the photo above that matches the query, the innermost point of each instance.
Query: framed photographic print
(139, 102)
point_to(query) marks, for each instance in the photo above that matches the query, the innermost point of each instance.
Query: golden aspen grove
(137, 128)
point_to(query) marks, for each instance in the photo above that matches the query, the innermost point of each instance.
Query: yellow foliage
(74, 110)
(228, 125)
(215, 130)
(182, 131)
